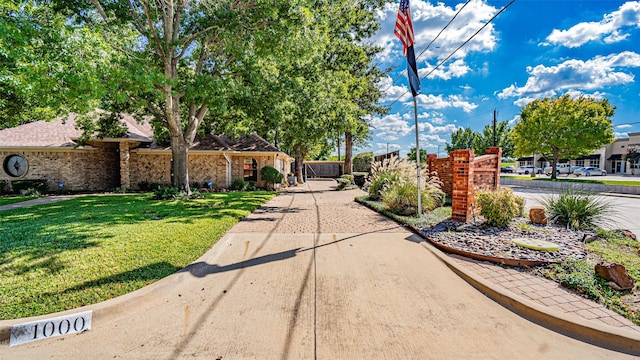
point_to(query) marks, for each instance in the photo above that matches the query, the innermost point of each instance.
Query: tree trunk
(299, 156)
(554, 164)
(180, 164)
(348, 148)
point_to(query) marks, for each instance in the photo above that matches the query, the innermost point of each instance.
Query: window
(15, 165)
(634, 164)
(595, 163)
(580, 163)
(250, 170)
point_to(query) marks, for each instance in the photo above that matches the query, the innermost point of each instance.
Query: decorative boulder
(616, 274)
(537, 215)
(629, 234)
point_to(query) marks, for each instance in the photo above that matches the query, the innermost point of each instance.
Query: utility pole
(495, 116)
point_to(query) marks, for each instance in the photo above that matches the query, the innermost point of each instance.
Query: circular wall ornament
(15, 165)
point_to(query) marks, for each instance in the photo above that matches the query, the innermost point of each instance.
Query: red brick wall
(443, 168)
(462, 174)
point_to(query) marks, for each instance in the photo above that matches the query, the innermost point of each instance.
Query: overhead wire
(429, 45)
(458, 48)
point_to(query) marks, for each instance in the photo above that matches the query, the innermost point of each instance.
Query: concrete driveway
(311, 275)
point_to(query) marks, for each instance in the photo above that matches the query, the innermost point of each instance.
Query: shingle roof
(62, 132)
(210, 142)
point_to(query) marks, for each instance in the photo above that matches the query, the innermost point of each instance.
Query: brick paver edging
(603, 335)
(600, 334)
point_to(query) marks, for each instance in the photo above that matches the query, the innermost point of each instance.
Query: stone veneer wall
(203, 167)
(93, 168)
(149, 167)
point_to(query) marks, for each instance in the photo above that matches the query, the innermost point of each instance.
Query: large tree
(463, 139)
(48, 67)
(563, 127)
(503, 139)
(186, 57)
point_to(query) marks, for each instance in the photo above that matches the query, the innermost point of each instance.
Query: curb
(602, 335)
(115, 306)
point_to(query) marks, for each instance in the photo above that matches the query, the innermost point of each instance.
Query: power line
(443, 29)
(434, 39)
(458, 48)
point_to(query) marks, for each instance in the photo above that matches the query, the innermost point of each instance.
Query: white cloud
(623, 126)
(457, 68)
(427, 140)
(620, 135)
(391, 92)
(439, 102)
(425, 127)
(428, 19)
(392, 147)
(609, 29)
(574, 76)
(390, 127)
(433, 117)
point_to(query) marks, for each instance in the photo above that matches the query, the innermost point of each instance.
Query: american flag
(404, 31)
(404, 27)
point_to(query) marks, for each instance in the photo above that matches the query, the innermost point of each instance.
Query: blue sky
(535, 48)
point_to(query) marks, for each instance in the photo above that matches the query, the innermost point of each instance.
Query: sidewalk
(314, 275)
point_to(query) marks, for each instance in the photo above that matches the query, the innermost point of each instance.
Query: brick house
(49, 151)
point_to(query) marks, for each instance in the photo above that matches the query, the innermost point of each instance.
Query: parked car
(528, 170)
(560, 169)
(507, 169)
(588, 171)
(577, 170)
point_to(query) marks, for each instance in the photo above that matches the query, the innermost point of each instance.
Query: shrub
(401, 197)
(386, 172)
(30, 192)
(362, 162)
(499, 207)
(238, 184)
(271, 175)
(173, 193)
(343, 183)
(348, 177)
(39, 185)
(166, 193)
(578, 210)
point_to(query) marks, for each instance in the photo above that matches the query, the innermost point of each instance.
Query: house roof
(245, 143)
(62, 132)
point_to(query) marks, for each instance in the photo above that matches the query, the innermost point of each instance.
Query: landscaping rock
(629, 234)
(615, 273)
(498, 242)
(537, 215)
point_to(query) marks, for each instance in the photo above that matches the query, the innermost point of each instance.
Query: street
(625, 208)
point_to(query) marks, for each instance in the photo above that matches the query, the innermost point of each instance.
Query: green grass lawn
(580, 274)
(565, 179)
(14, 199)
(82, 251)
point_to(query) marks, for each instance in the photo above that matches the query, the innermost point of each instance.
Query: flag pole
(415, 118)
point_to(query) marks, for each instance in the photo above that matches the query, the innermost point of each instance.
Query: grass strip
(581, 181)
(82, 251)
(580, 275)
(425, 220)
